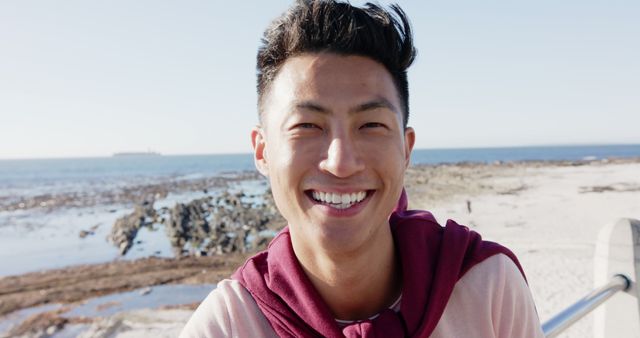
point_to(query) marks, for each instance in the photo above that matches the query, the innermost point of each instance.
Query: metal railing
(581, 308)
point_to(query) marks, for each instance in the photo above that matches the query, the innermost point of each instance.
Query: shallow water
(38, 239)
(13, 319)
(160, 295)
(42, 240)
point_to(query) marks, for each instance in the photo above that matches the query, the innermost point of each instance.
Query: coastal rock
(85, 233)
(229, 223)
(188, 223)
(126, 227)
(226, 223)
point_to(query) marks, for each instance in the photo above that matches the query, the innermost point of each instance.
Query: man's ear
(259, 144)
(409, 141)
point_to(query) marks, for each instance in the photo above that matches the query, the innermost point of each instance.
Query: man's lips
(339, 200)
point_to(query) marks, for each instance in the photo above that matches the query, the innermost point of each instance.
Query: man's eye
(373, 125)
(307, 126)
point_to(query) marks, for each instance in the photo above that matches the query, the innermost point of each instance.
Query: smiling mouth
(338, 200)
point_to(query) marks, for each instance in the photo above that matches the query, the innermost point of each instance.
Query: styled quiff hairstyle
(317, 26)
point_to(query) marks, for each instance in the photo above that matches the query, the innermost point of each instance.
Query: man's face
(333, 146)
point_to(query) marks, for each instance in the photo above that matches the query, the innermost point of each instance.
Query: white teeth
(339, 201)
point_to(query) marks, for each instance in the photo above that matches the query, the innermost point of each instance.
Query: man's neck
(355, 285)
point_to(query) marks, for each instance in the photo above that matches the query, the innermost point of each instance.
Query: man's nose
(343, 158)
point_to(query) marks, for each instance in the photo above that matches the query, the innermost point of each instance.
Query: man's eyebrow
(377, 103)
(310, 105)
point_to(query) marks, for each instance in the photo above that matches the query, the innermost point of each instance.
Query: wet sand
(71, 286)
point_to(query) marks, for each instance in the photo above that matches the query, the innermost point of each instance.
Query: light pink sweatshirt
(490, 300)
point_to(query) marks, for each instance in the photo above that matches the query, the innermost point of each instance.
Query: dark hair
(330, 26)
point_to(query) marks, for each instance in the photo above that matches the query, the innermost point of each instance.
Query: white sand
(537, 211)
(140, 323)
(552, 227)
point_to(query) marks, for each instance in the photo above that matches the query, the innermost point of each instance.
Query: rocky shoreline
(205, 226)
(128, 195)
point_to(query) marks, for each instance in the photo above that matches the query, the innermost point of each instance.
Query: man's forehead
(376, 103)
(325, 79)
(317, 66)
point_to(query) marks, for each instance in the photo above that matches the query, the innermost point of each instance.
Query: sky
(91, 78)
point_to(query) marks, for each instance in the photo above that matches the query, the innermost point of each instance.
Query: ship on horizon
(137, 153)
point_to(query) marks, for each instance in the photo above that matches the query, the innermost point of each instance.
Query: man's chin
(337, 235)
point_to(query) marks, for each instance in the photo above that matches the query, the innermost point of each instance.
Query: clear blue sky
(90, 78)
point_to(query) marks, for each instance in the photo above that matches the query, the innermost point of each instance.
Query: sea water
(39, 176)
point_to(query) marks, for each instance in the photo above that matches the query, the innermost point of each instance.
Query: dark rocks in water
(205, 226)
(85, 233)
(91, 231)
(226, 224)
(188, 223)
(126, 227)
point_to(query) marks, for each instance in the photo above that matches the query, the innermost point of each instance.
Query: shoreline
(77, 283)
(72, 286)
(129, 194)
(160, 187)
(547, 212)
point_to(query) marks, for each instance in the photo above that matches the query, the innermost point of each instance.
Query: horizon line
(553, 145)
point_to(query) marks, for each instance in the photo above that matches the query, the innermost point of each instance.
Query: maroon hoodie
(433, 259)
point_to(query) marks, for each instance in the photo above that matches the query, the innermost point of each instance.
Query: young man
(353, 262)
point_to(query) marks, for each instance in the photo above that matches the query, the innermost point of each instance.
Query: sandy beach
(548, 213)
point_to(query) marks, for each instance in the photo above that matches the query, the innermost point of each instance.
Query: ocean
(37, 176)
